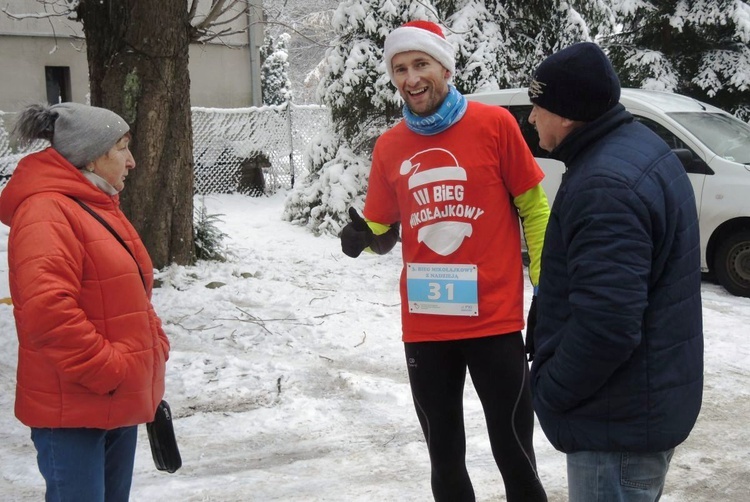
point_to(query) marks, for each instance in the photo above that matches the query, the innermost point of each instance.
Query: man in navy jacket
(617, 376)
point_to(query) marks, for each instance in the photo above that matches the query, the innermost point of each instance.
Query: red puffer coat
(92, 351)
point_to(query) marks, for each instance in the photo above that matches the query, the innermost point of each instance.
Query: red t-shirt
(453, 194)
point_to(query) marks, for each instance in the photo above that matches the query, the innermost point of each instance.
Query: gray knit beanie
(81, 133)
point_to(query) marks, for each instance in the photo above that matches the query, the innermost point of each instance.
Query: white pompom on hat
(423, 36)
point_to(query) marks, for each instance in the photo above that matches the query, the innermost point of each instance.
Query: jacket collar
(579, 140)
(49, 172)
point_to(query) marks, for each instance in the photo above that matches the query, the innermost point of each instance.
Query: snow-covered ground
(288, 383)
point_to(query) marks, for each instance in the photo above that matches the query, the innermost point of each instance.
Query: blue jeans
(92, 465)
(617, 477)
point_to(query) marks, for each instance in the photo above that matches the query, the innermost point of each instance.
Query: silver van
(714, 148)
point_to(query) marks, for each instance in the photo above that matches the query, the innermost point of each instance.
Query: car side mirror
(685, 155)
(691, 162)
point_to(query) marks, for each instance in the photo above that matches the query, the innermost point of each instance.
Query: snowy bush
(337, 179)
(208, 238)
(275, 83)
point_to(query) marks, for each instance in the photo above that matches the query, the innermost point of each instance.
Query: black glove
(530, 326)
(356, 236)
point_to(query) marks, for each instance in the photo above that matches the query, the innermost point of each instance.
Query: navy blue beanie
(577, 83)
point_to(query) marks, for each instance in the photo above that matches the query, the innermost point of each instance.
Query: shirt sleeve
(381, 201)
(533, 209)
(519, 168)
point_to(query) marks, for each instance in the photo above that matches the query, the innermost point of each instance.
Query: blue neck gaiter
(453, 108)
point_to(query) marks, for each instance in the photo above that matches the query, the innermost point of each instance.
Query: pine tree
(275, 83)
(494, 48)
(309, 24)
(541, 27)
(498, 43)
(363, 104)
(694, 47)
(356, 87)
(483, 45)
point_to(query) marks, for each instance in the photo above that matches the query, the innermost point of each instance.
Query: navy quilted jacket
(619, 336)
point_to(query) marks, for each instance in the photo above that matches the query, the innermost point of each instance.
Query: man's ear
(569, 124)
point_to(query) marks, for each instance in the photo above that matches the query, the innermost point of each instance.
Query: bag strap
(113, 232)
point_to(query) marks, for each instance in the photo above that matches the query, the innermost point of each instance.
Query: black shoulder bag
(161, 435)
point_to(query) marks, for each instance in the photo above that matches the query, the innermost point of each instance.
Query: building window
(58, 84)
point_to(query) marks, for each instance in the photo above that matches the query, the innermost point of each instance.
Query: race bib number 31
(442, 289)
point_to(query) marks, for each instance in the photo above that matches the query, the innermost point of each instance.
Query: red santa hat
(423, 36)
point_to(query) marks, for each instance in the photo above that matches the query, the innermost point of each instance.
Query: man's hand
(356, 236)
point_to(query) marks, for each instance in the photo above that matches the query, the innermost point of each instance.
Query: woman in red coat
(92, 352)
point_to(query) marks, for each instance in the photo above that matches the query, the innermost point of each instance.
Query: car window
(692, 163)
(724, 134)
(521, 114)
(664, 133)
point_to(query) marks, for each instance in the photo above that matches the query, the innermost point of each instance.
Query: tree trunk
(138, 67)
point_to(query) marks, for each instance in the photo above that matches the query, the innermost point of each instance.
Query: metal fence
(10, 156)
(226, 143)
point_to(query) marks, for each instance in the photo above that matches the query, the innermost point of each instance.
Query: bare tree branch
(217, 9)
(209, 37)
(229, 20)
(193, 9)
(221, 13)
(46, 15)
(364, 339)
(291, 28)
(40, 15)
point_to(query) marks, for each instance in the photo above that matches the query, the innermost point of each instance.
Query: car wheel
(732, 263)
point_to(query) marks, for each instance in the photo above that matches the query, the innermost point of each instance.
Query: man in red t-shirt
(455, 176)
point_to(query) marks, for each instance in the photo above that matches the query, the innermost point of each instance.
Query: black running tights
(499, 371)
